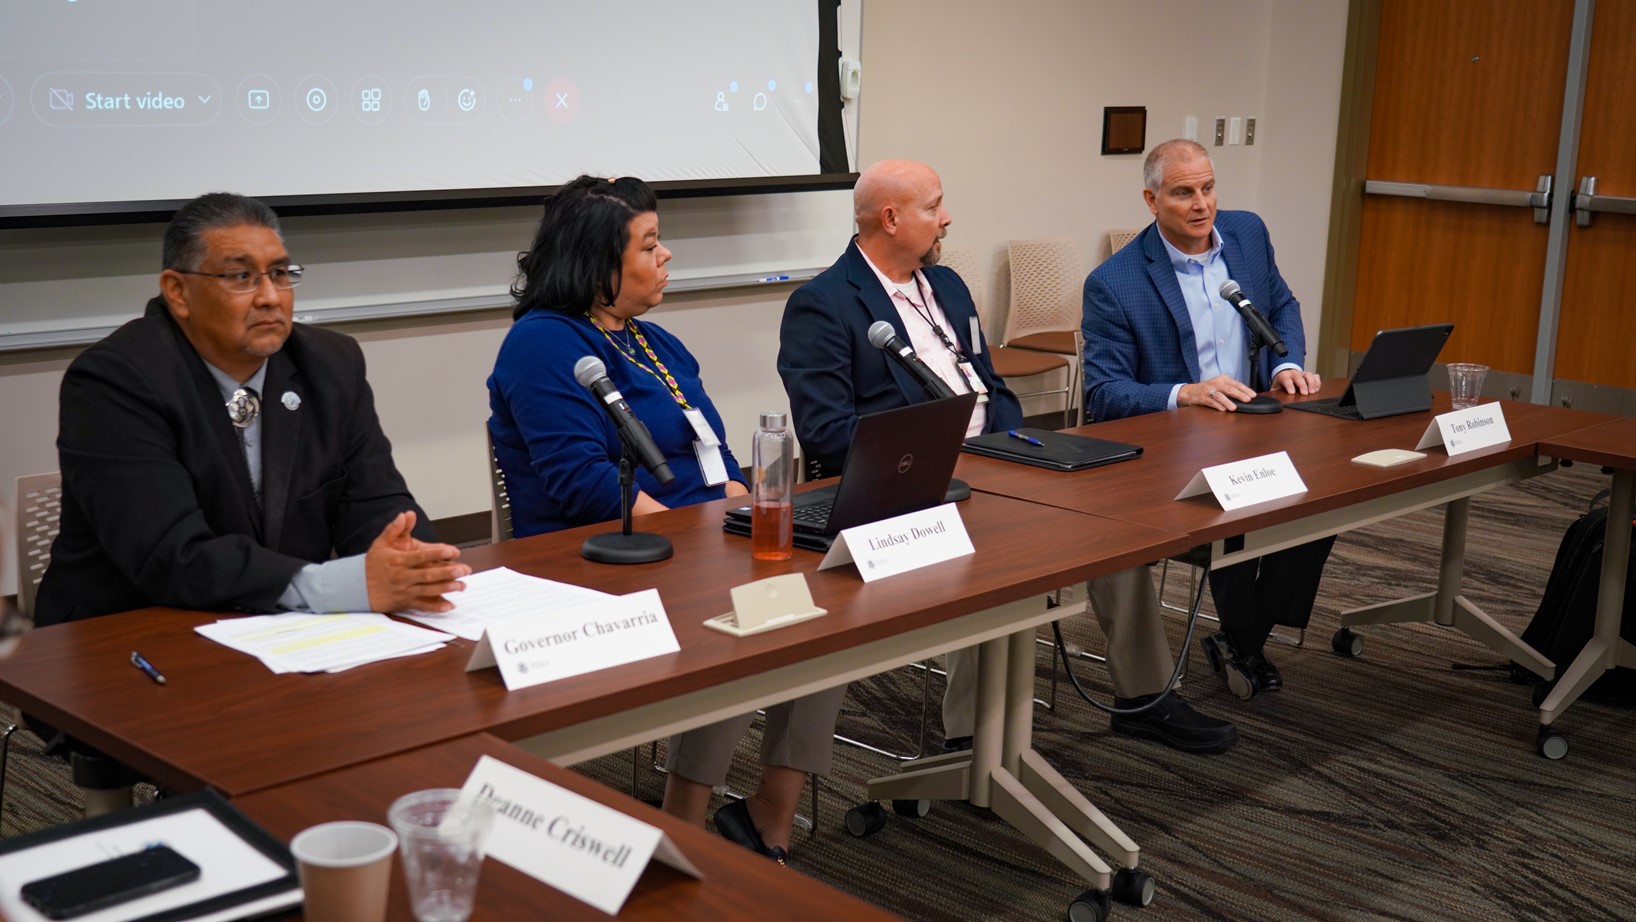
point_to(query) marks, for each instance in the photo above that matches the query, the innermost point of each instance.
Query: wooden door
(1467, 93)
(1597, 343)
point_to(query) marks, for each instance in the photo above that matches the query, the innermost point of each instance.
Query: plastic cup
(1466, 384)
(442, 842)
(345, 870)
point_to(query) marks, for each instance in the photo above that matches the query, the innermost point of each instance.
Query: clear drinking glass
(442, 843)
(1466, 384)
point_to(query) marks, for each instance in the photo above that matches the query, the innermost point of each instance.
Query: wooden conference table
(225, 721)
(1611, 445)
(737, 884)
(1341, 495)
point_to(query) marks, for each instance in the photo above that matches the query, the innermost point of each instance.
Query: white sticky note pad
(1388, 457)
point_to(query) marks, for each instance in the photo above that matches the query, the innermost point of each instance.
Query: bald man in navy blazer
(1158, 336)
(833, 375)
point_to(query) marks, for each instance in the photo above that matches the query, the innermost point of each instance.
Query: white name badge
(540, 647)
(588, 851)
(1466, 430)
(902, 543)
(1245, 483)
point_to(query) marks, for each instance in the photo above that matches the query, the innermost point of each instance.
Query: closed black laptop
(900, 461)
(1391, 379)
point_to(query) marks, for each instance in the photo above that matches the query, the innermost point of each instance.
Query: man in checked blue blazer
(1158, 336)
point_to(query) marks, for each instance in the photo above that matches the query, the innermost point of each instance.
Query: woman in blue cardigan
(596, 266)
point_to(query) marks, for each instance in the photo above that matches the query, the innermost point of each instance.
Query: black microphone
(590, 372)
(1257, 323)
(883, 338)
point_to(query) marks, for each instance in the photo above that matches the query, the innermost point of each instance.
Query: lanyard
(924, 311)
(663, 374)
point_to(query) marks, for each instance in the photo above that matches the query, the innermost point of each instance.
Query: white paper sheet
(296, 642)
(501, 593)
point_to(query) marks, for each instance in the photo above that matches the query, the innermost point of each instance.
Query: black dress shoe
(957, 744)
(1225, 662)
(734, 823)
(1175, 724)
(1263, 672)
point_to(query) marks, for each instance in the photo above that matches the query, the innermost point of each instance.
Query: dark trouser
(1279, 588)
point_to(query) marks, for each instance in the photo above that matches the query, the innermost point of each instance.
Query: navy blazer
(157, 505)
(1139, 340)
(833, 375)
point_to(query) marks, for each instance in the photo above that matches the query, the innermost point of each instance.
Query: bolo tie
(242, 409)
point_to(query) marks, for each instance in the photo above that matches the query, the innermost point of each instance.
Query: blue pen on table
(1026, 438)
(141, 662)
(774, 278)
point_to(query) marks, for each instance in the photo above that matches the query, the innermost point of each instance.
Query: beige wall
(1005, 99)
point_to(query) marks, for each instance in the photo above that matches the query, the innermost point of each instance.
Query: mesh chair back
(1118, 238)
(963, 260)
(500, 500)
(1046, 280)
(39, 516)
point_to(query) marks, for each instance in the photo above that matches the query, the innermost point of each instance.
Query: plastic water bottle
(772, 510)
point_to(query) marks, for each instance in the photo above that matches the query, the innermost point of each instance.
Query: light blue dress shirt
(1218, 330)
(338, 585)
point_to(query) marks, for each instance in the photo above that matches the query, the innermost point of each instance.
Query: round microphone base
(958, 490)
(636, 547)
(1262, 404)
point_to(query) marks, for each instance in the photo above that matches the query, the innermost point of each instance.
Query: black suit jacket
(833, 375)
(157, 507)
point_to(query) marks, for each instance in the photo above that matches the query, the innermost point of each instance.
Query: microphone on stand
(1260, 332)
(1252, 317)
(882, 337)
(624, 546)
(590, 372)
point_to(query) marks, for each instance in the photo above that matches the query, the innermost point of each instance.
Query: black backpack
(1567, 613)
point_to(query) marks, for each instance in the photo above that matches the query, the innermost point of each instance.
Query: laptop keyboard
(1328, 408)
(814, 515)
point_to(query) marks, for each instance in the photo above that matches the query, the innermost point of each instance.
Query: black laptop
(901, 460)
(1391, 379)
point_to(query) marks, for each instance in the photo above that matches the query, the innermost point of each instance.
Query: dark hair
(579, 250)
(184, 239)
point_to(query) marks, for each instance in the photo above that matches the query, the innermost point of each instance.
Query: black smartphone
(109, 883)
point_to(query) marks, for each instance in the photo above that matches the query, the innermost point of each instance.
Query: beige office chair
(37, 518)
(499, 499)
(1011, 364)
(1047, 279)
(1118, 238)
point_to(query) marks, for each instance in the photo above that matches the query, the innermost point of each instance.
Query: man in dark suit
(833, 375)
(217, 456)
(1158, 336)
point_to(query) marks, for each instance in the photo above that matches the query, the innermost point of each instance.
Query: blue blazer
(1139, 341)
(833, 375)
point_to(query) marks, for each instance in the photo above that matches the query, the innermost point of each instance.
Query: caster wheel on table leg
(1552, 745)
(866, 819)
(1133, 887)
(1090, 906)
(915, 809)
(1347, 642)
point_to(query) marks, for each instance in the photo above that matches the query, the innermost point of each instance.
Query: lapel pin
(291, 400)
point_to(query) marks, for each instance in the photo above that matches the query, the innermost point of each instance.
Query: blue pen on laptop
(1026, 438)
(141, 662)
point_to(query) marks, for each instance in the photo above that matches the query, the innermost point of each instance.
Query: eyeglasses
(244, 281)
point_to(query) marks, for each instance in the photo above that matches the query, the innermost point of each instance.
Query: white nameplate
(588, 851)
(1245, 483)
(1466, 430)
(901, 543)
(544, 646)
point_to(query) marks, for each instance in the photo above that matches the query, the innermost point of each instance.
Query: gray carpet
(1384, 787)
